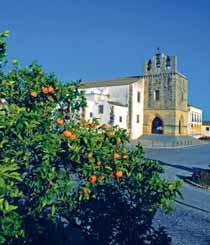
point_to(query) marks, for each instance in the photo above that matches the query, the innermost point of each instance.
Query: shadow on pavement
(175, 166)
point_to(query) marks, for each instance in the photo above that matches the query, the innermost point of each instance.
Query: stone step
(158, 141)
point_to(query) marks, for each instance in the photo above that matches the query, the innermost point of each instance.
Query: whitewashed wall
(93, 102)
(118, 93)
(101, 96)
(121, 111)
(195, 118)
(137, 109)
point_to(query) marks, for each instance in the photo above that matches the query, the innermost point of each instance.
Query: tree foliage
(57, 170)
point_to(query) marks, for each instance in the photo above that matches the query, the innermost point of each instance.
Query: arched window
(158, 60)
(168, 62)
(149, 65)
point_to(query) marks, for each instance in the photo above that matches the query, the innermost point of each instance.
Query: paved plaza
(189, 223)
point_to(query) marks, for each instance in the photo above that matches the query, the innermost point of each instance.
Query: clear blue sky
(103, 39)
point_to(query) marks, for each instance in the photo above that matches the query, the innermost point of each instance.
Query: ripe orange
(51, 90)
(60, 121)
(67, 134)
(92, 179)
(34, 94)
(73, 136)
(110, 133)
(116, 155)
(90, 155)
(84, 124)
(98, 163)
(45, 90)
(119, 141)
(125, 156)
(119, 173)
(93, 125)
(105, 126)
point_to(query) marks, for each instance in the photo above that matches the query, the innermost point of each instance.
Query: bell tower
(160, 63)
(166, 96)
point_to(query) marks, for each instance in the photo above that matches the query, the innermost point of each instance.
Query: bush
(58, 171)
(201, 177)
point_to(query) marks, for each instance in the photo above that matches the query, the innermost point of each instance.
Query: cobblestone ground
(189, 223)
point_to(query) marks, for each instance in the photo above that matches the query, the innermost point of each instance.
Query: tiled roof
(117, 103)
(109, 83)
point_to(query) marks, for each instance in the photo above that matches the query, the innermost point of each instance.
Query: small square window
(91, 114)
(100, 109)
(157, 95)
(120, 118)
(137, 118)
(207, 129)
(138, 97)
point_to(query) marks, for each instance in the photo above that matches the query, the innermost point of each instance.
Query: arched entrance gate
(157, 126)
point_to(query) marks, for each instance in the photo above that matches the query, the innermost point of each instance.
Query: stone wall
(171, 107)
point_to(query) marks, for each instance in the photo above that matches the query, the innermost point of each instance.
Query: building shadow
(189, 169)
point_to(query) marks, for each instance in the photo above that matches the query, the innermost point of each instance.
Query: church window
(91, 114)
(207, 129)
(149, 65)
(112, 114)
(168, 62)
(100, 109)
(158, 60)
(137, 118)
(194, 120)
(196, 117)
(138, 97)
(120, 118)
(157, 95)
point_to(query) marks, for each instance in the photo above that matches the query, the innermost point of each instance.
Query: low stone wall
(162, 141)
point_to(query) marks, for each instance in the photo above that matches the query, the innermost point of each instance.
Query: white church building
(154, 103)
(117, 102)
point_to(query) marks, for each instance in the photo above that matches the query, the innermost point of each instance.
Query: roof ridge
(111, 82)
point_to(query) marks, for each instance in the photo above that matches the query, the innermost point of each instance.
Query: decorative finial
(158, 49)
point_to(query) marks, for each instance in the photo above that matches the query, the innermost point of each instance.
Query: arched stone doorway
(181, 123)
(157, 126)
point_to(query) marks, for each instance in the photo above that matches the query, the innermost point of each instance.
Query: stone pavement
(189, 223)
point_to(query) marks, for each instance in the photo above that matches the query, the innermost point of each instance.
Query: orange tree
(120, 190)
(59, 171)
(34, 175)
